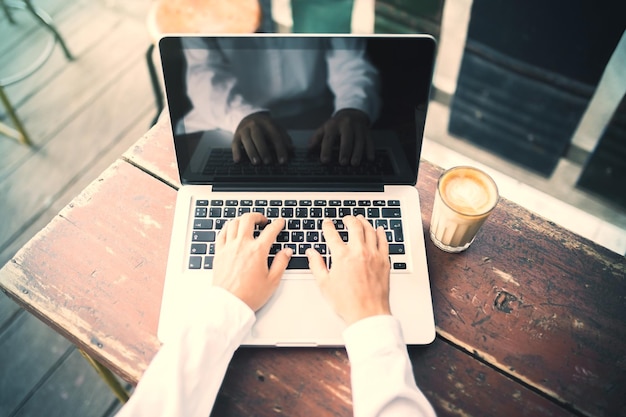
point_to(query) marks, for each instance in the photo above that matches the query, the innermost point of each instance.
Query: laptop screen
(267, 111)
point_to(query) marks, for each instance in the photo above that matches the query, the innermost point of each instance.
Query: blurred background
(531, 91)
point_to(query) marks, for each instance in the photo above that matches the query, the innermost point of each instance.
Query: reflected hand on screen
(262, 139)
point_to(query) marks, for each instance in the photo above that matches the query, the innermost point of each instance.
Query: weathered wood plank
(22, 368)
(118, 324)
(31, 186)
(75, 389)
(538, 302)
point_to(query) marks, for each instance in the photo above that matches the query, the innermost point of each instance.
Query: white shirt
(226, 83)
(184, 377)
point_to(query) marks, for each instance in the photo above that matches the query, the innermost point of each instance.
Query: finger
(236, 147)
(283, 146)
(269, 234)
(332, 236)
(317, 266)
(248, 145)
(369, 233)
(248, 221)
(360, 134)
(328, 141)
(221, 237)
(355, 229)
(346, 143)
(381, 238)
(279, 264)
(232, 228)
(260, 139)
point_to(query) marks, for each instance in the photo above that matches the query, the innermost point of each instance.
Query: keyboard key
(232, 203)
(203, 224)
(319, 203)
(203, 236)
(391, 212)
(320, 247)
(217, 203)
(395, 224)
(230, 212)
(302, 212)
(243, 210)
(349, 203)
(208, 262)
(389, 236)
(379, 203)
(195, 262)
(219, 223)
(302, 247)
(215, 212)
(293, 224)
(308, 224)
(282, 237)
(286, 212)
(276, 203)
(334, 203)
(272, 212)
(291, 246)
(330, 212)
(312, 236)
(297, 237)
(260, 203)
(398, 235)
(373, 212)
(202, 203)
(298, 262)
(381, 222)
(364, 203)
(211, 248)
(344, 236)
(275, 248)
(396, 249)
(200, 212)
(198, 248)
(259, 210)
(358, 210)
(344, 211)
(393, 203)
(315, 212)
(291, 203)
(306, 203)
(246, 203)
(399, 265)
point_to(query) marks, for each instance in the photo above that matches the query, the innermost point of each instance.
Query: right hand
(357, 284)
(262, 139)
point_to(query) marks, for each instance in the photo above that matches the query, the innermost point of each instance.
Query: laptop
(299, 83)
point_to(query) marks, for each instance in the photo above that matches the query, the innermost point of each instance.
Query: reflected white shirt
(226, 83)
(184, 377)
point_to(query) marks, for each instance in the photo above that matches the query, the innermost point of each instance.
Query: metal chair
(9, 7)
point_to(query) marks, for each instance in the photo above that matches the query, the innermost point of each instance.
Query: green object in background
(322, 16)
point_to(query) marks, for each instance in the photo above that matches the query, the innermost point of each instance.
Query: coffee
(464, 199)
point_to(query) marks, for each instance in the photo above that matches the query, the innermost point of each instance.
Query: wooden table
(531, 320)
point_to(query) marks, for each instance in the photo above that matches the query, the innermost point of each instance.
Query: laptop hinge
(326, 187)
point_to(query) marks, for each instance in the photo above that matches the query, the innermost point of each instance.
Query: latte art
(468, 194)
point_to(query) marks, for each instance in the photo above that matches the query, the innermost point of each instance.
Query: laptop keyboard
(303, 226)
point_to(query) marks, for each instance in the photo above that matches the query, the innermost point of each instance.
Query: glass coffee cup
(464, 198)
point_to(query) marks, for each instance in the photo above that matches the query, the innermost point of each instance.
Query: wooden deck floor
(81, 116)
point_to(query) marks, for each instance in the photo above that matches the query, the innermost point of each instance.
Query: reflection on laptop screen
(299, 110)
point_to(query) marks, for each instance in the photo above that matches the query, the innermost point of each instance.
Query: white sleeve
(352, 78)
(382, 376)
(185, 375)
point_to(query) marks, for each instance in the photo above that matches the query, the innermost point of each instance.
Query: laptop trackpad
(297, 315)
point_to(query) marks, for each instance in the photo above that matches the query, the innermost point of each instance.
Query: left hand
(240, 264)
(351, 128)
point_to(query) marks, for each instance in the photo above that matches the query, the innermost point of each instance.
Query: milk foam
(468, 194)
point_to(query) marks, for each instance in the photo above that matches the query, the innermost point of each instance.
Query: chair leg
(108, 377)
(156, 85)
(50, 27)
(20, 134)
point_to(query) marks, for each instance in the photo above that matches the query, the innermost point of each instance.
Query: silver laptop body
(205, 91)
